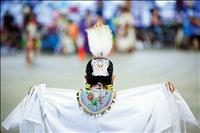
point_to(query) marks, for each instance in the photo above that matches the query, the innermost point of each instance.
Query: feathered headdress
(100, 43)
(100, 39)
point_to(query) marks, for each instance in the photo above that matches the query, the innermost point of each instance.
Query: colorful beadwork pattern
(96, 101)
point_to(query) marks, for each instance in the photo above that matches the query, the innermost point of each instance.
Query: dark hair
(93, 80)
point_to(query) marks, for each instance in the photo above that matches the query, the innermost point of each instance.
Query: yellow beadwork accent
(110, 87)
(87, 86)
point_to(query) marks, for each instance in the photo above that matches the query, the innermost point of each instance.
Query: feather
(100, 40)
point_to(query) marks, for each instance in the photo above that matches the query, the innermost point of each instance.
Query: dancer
(31, 38)
(98, 107)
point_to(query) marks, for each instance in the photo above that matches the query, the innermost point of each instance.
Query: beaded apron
(96, 102)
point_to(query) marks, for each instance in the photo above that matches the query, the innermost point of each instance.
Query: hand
(31, 90)
(170, 86)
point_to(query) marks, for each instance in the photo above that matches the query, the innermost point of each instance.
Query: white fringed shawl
(151, 108)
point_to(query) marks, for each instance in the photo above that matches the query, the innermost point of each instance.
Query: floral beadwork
(90, 96)
(96, 101)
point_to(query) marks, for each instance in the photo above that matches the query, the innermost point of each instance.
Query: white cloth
(151, 108)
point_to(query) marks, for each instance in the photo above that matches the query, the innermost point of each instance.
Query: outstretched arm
(170, 86)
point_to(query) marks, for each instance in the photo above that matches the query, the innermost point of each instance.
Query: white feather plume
(100, 40)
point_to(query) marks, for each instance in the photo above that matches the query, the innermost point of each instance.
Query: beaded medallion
(96, 102)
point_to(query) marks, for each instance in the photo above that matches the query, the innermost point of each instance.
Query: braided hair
(93, 80)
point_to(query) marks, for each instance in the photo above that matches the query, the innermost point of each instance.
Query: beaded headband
(100, 67)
